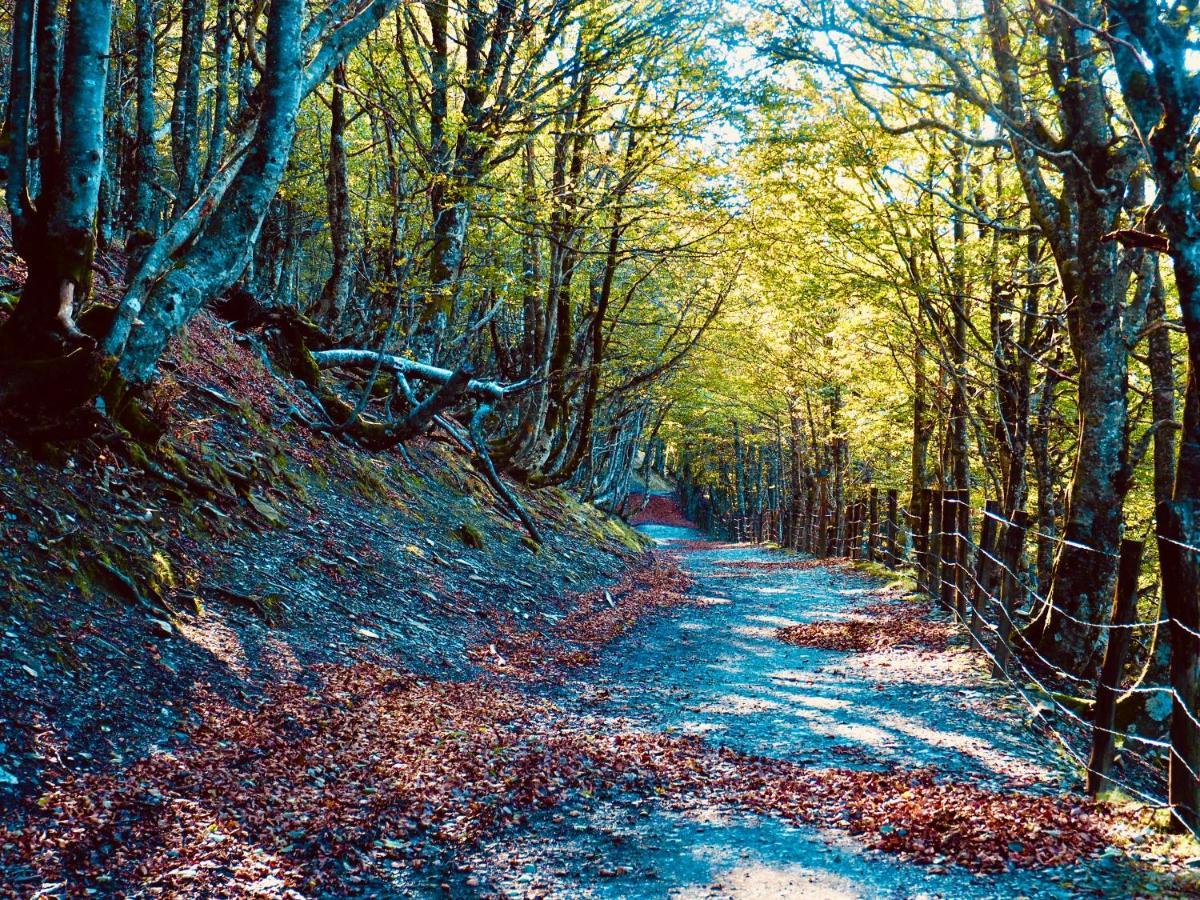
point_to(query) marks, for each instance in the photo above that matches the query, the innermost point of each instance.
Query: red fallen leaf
(883, 625)
(597, 618)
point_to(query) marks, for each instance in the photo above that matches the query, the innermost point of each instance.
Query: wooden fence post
(1010, 587)
(813, 517)
(985, 566)
(921, 525)
(821, 534)
(1178, 535)
(948, 551)
(891, 557)
(831, 527)
(936, 504)
(1109, 684)
(816, 520)
(921, 540)
(873, 527)
(844, 531)
(962, 534)
(864, 529)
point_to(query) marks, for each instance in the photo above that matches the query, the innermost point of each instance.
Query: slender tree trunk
(958, 473)
(223, 50)
(1162, 384)
(144, 219)
(185, 107)
(334, 294)
(922, 431)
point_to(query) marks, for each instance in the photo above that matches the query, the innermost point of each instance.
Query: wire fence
(982, 578)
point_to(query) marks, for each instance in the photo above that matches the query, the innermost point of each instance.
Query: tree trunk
(58, 241)
(1086, 564)
(144, 218)
(185, 107)
(225, 244)
(336, 290)
(223, 50)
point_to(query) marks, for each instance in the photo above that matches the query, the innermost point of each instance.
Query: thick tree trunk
(58, 241)
(225, 244)
(1085, 567)
(1094, 178)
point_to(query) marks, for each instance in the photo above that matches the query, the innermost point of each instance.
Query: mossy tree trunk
(54, 232)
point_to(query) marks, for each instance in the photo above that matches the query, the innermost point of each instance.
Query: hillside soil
(238, 551)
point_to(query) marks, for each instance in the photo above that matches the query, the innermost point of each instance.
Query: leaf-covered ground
(588, 757)
(876, 626)
(283, 550)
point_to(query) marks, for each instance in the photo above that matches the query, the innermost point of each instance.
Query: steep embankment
(243, 551)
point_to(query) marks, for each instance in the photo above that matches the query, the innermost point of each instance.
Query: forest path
(718, 669)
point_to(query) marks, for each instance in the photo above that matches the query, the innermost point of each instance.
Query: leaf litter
(375, 774)
(882, 625)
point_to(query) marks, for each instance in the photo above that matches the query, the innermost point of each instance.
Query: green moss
(161, 575)
(470, 536)
(368, 482)
(305, 367)
(896, 580)
(633, 540)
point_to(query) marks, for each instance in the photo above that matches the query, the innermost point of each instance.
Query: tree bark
(185, 107)
(56, 235)
(223, 248)
(336, 290)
